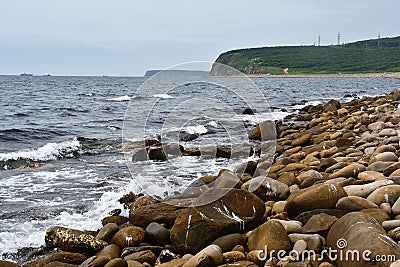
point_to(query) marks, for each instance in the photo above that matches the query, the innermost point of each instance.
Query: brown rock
(118, 220)
(354, 203)
(107, 232)
(128, 237)
(302, 140)
(117, 262)
(228, 242)
(8, 264)
(320, 224)
(95, 261)
(385, 194)
(351, 170)
(157, 212)
(361, 232)
(72, 240)
(271, 234)
(157, 234)
(198, 226)
(111, 251)
(319, 196)
(377, 213)
(370, 176)
(264, 131)
(142, 256)
(267, 188)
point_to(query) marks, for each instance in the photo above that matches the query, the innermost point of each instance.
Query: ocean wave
(308, 103)
(198, 129)
(163, 96)
(120, 98)
(50, 151)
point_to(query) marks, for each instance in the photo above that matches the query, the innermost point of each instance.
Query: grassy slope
(358, 57)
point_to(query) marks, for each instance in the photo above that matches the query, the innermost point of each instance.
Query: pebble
(210, 256)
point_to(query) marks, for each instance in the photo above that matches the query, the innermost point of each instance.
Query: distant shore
(395, 75)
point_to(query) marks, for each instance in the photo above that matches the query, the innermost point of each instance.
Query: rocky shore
(332, 188)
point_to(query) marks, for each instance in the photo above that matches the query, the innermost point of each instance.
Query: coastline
(335, 174)
(393, 75)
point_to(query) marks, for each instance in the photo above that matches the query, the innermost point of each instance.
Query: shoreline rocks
(332, 174)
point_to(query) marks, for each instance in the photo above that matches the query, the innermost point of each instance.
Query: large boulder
(360, 232)
(156, 212)
(265, 130)
(72, 240)
(238, 210)
(319, 196)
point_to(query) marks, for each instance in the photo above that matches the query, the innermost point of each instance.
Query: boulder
(228, 242)
(351, 170)
(156, 212)
(236, 211)
(72, 240)
(354, 203)
(357, 231)
(129, 236)
(363, 190)
(263, 131)
(332, 105)
(386, 194)
(267, 188)
(157, 234)
(272, 235)
(319, 196)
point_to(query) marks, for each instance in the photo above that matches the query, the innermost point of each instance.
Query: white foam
(198, 129)
(213, 124)
(308, 103)
(120, 98)
(164, 96)
(50, 151)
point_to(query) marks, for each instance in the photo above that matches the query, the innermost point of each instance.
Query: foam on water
(308, 103)
(50, 151)
(164, 96)
(198, 129)
(120, 98)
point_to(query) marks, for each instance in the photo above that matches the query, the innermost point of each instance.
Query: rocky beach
(324, 191)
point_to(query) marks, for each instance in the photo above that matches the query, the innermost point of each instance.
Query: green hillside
(376, 55)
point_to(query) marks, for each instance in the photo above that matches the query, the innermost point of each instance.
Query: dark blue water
(72, 127)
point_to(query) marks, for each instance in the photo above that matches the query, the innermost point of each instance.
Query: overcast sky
(127, 37)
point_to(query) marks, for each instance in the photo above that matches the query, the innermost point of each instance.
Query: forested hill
(375, 55)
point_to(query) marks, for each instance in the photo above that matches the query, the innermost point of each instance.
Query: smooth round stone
(314, 241)
(385, 148)
(395, 173)
(128, 237)
(210, 256)
(309, 174)
(111, 251)
(232, 256)
(290, 226)
(107, 232)
(137, 264)
(396, 207)
(239, 248)
(387, 132)
(354, 203)
(395, 264)
(228, 242)
(378, 166)
(95, 261)
(271, 234)
(385, 157)
(278, 207)
(369, 150)
(300, 246)
(385, 194)
(366, 189)
(377, 213)
(319, 223)
(351, 170)
(142, 256)
(326, 264)
(370, 176)
(117, 262)
(391, 224)
(391, 168)
(386, 208)
(257, 256)
(157, 235)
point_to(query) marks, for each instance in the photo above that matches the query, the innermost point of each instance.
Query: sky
(128, 37)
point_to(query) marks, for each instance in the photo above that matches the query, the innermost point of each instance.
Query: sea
(63, 156)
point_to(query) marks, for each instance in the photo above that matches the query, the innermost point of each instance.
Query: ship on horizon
(26, 74)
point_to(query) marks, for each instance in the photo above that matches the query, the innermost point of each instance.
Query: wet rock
(267, 188)
(198, 226)
(8, 264)
(390, 224)
(290, 226)
(361, 232)
(95, 261)
(370, 176)
(351, 170)
(228, 242)
(377, 213)
(354, 203)
(314, 241)
(157, 212)
(384, 157)
(302, 140)
(142, 256)
(378, 166)
(128, 237)
(271, 234)
(248, 111)
(343, 142)
(157, 153)
(72, 240)
(111, 252)
(331, 105)
(117, 262)
(189, 137)
(391, 168)
(320, 224)
(118, 220)
(305, 216)
(233, 256)
(263, 131)
(140, 155)
(143, 201)
(57, 257)
(157, 234)
(320, 196)
(385, 194)
(210, 256)
(107, 232)
(365, 190)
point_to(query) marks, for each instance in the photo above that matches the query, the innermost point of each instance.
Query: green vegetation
(377, 55)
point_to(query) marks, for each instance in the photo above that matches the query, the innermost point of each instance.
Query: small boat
(26, 74)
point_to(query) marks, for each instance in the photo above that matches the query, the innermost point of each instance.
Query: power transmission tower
(379, 40)
(319, 40)
(338, 38)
